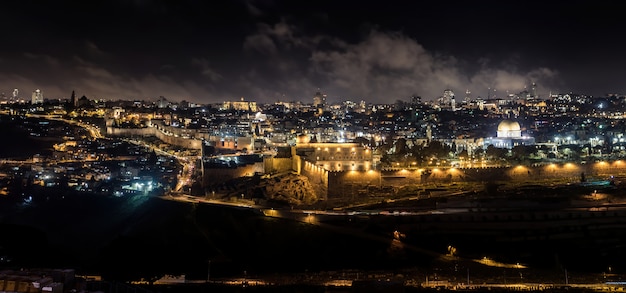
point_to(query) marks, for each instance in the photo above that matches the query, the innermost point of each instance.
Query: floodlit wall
(221, 175)
(114, 131)
(347, 183)
(278, 165)
(188, 143)
(318, 177)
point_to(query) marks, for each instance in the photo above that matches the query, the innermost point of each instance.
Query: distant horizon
(459, 98)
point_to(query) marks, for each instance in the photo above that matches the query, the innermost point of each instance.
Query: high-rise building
(16, 94)
(453, 103)
(37, 97)
(447, 100)
(162, 102)
(448, 95)
(319, 100)
(73, 101)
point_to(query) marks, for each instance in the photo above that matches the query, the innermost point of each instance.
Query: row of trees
(399, 153)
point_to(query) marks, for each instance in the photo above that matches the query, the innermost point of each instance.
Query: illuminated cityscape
(317, 163)
(277, 146)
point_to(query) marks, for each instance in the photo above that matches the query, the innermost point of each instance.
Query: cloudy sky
(266, 51)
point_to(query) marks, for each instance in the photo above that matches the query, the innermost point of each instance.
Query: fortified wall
(130, 132)
(213, 176)
(342, 183)
(189, 143)
(318, 177)
(278, 165)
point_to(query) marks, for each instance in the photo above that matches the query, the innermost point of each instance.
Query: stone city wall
(128, 132)
(221, 175)
(188, 143)
(318, 177)
(341, 183)
(278, 165)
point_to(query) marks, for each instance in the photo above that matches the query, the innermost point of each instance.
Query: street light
(451, 250)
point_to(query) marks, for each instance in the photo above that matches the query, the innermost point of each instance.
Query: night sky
(266, 51)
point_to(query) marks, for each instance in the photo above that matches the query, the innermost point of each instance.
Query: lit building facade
(509, 135)
(240, 106)
(335, 156)
(37, 97)
(319, 100)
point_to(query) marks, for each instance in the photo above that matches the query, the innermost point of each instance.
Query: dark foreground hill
(143, 237)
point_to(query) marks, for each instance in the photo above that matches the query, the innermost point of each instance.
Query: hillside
(134, 237)
(285, 189)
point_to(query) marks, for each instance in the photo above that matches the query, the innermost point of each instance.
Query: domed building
(509, 134)
(509, 128)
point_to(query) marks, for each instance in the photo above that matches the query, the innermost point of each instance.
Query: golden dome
(508, 125)
(303, 139)
(508, 128)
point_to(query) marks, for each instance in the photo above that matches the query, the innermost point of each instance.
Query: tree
(152, 158)
(519, 152)
(463, 155)
(572, 152)
(495, 153)
(437, 149)
(401, 147)
(479, 152)
(417, 154)
(362, 141)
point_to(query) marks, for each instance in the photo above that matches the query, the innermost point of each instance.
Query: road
(94, 131)
(188, 163)
(312, 217)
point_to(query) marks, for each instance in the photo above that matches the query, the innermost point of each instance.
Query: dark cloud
(58, 77)
(261, 43)
(206, 70)
(208, 51)
(383, 66)
(253, 9)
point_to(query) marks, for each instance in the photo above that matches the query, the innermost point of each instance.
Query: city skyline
(268, 51)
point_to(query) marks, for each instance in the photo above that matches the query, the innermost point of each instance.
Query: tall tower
(319, 103)
(73, 101)
(448, 99)
(37, 97)
(16, 94)
(319, 100)
(453, 103)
